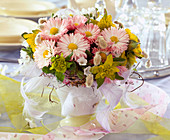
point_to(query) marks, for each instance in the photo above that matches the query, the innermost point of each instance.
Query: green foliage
(68, 64)
(134, 69)
(105, 13)
(118, 77)
(53, 59)
(89, 54)
(23, 35)
(73, 68)
(80, 74)
(47, 70)
(100, 81)
(119, 59)
(132, 45)
(35, 31)
(60, 76)
(69, 57)
(28, 51)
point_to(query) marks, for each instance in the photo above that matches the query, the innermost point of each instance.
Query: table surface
(163, 83)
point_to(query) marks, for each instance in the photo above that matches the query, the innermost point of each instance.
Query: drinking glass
(168, 38)
(156, 43)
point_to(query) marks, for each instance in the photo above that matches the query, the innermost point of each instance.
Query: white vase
(78, 104)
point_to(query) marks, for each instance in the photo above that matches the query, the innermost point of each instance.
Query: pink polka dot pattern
(120, 119)
(19, 136)
(154, 96)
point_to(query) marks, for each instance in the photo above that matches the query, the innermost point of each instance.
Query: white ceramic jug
(79, 4)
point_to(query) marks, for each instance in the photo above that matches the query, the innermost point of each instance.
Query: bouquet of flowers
(81, 49)
(87, 59)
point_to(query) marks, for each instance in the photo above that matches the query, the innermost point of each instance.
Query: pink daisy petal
(73, 43)
(44, 52)
(117, 39)
(54, 29)
(90, 31)
(76, 21)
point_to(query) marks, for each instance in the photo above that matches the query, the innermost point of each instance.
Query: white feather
(30, 104)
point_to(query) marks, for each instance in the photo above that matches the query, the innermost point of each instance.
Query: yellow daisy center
(45, 53)
(88, 34)
(53, 30)
(114, 39)
(76, 24)
(72, 46)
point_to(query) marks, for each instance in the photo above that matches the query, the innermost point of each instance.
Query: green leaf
(60, 76)
(89, 54)
(73, 68)
(80, 74)
(24, 34)
(69, 57)
(105, 13)
(52, 15)
(28, 51)
(68, 64)
(88, 21)
(91, 14)
(118, 59)
(35, 31)
(132, 45)
(53, 59)
(100, 81)
(134, 69)
(118, 77)
(47, 70)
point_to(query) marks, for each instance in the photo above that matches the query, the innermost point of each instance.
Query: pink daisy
(54, 28)
(44, 52)
(73, 43)
(90, 31)
(117, 39)
(76, 22)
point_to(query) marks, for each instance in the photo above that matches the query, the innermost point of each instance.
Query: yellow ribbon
(11, 102)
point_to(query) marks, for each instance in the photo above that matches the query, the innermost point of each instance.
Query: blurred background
(148, 19)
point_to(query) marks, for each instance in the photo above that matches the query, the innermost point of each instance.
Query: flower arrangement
(77, 65)
(81, 50)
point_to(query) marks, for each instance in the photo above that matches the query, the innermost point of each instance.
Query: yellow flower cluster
(30, 38)
(59, 64)
(106, 22)
(133, 52)
(131, 35)
(137, 51)
(106, 70)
